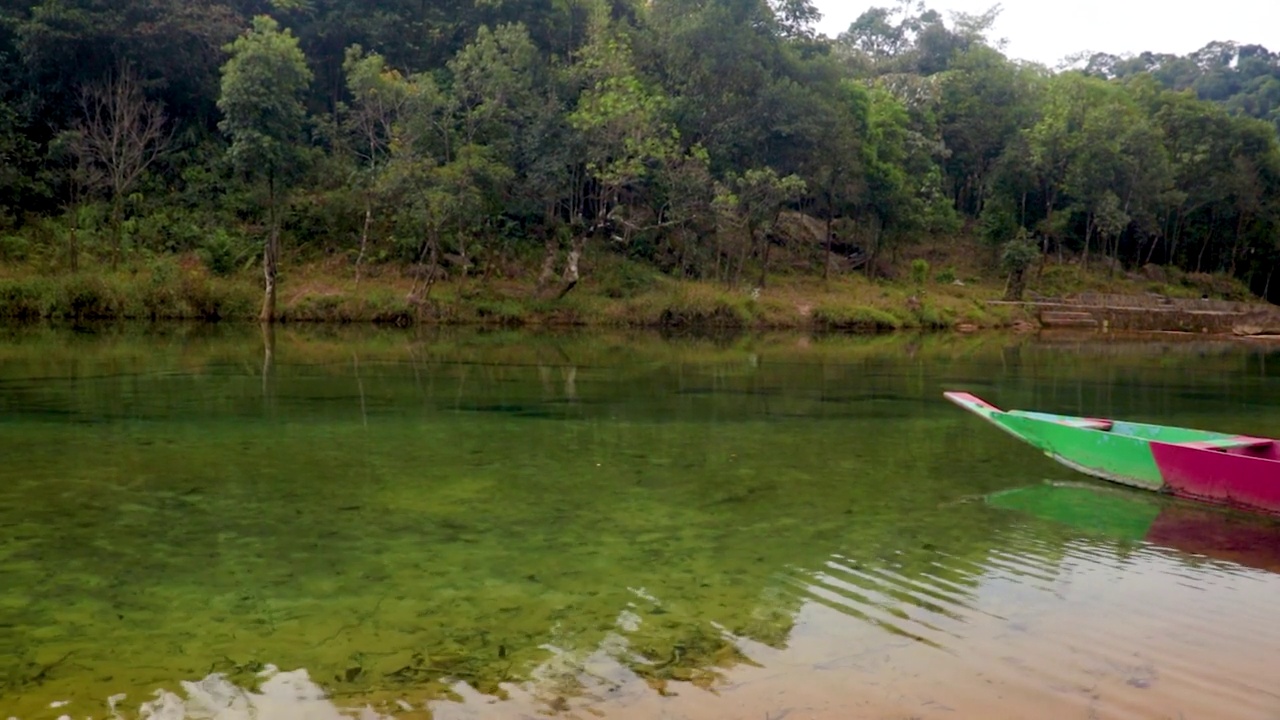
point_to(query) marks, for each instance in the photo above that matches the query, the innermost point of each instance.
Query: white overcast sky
(1045, 31)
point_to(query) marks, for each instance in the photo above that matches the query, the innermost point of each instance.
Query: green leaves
(262, 87)
(622, 118)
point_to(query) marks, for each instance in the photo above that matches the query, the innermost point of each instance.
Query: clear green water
(206, 520)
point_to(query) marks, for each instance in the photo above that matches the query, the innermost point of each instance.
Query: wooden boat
(1220, 468)
(1124, 515)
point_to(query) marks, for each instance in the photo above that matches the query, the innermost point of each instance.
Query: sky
(1045, 31)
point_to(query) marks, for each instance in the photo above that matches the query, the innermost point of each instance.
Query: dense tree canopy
(449, 133)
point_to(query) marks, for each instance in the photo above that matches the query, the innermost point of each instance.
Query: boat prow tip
(969, 401)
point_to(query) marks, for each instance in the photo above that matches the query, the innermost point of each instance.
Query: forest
(482, 138)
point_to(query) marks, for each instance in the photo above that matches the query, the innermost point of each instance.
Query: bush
(936, 318)
(14, 248)
(160, 295)
(213, 299)
(919, 271)
(24, 299)
(947, 276)
(223, 253)
(698, 310)
(87, 298)
(622, 278)
(855, 317)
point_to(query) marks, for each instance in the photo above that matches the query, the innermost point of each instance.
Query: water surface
(318, 523)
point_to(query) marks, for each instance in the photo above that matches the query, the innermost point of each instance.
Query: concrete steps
(1063, 318)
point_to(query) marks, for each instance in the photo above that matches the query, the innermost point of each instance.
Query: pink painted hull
(1225, 478)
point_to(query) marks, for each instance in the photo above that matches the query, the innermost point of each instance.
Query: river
(320, 522)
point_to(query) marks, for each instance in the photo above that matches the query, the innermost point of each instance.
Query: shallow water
(209, 522)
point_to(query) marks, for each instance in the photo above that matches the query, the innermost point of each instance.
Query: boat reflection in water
(1122, 514)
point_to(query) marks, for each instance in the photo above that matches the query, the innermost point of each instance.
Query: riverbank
(612, 294)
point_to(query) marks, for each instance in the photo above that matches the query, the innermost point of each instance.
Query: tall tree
(986, 100)
(381, 98)
(621, 116)
(263, 84)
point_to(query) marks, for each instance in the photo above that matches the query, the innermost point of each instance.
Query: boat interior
(1255, 447)
(1263, 448)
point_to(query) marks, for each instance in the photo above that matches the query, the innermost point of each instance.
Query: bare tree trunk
(876, 231)
(571, 274)
(1235, 246)
(1044, 247)
(364, 237)
(431, 251)
(723, 277)
(1204, 246)
(117, 230)
(764, 260)
(269, 275)
(1173, 242)
(270, 254)
(462, 248)
(1088, 234)
(826, 256)
(551, 250)
(73, 240)
(747, 246)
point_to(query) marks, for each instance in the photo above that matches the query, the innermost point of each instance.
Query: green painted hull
(1111, 450)
(1121, 458)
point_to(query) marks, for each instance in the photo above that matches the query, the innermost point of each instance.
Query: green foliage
(14, 248)
(86, 297)
(1018, 254)
(855, 318)
(919, 271)
(622, 278)
(223, 253)
(473, 138)
(931, 317)
(999, 222)
(262, 85)
(24, 299)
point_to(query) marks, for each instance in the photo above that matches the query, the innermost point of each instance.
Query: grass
(614, 293)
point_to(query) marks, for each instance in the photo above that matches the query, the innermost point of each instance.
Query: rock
(1022, 326)
(966, 328)
(1155, 273)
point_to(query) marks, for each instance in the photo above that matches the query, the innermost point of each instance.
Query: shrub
(14, 248)
(919, 271)
(87, 298)
(704, 310)
(24, 299)
(854, 317)
(223, 253)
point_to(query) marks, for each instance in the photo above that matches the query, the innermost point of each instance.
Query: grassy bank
(614, 293)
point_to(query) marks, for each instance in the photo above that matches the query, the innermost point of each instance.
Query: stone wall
(1154, 313)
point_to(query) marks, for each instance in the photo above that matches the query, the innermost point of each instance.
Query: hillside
(543, 144)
